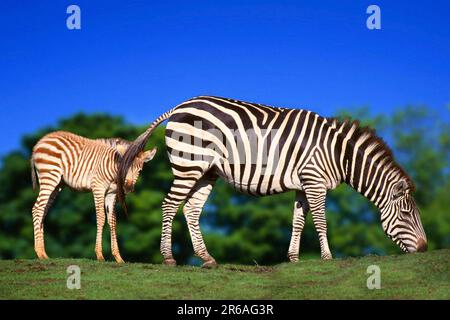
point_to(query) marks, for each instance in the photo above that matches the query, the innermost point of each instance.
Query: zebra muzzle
(129, 187)
(421, 245)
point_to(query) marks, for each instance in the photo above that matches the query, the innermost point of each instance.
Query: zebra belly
(262, 184)
(78, 183)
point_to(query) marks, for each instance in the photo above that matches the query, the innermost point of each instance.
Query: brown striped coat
(64, 159)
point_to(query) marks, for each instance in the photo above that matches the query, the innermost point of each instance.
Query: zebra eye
(397, 195)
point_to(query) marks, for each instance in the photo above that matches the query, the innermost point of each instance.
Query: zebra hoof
(170, 262)
(42, 256)
(211, 264)
(119, 260)
(40, 253)
(293, 259)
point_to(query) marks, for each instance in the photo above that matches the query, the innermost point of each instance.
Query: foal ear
(148, 155)
(121, 149)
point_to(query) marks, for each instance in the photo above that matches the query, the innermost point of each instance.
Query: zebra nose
(129, 186)
(421, 245)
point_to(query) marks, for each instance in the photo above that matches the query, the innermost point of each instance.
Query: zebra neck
(367, 174)
(365, 161)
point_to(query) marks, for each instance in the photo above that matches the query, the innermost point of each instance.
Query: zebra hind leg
(301, 209)
(192, 210)
(49, 189)
(177, 194)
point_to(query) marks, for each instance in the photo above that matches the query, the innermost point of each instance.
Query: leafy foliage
(237, 228)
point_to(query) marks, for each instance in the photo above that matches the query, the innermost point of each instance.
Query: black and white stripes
(263, 150)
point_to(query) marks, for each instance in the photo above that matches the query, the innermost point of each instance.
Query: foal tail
(33, 174)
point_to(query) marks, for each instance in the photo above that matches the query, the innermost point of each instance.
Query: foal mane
(114, 142)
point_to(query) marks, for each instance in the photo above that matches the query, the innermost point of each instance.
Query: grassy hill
(406, 276)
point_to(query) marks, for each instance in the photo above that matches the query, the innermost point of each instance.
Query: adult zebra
(263, 150)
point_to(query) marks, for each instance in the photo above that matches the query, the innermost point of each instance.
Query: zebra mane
(114, 142)
(373, 141)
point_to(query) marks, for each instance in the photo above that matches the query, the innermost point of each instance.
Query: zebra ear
(121, 149)
(399, 189)
(148, 155)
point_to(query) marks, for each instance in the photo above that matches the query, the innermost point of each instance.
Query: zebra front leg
(301, 209)
(316, 198)
(49, 189)
(192, 210)
(110, 201)
(99, 199)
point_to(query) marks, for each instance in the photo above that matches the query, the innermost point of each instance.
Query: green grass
(406, 276)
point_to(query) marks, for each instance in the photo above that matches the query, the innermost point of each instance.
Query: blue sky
(140, 58)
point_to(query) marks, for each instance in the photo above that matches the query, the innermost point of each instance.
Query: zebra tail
(133, 150)
(33, 175)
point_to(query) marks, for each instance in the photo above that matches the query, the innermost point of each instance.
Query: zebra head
(135, 170)
(400, 219)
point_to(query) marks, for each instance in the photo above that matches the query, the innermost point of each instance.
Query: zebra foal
(63, 158)
(262, 150)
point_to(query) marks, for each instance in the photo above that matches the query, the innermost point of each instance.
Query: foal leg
(110, 201)
(49, 188)
(99, 199)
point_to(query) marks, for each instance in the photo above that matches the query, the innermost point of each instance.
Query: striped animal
(62, 158)
(263, 150)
